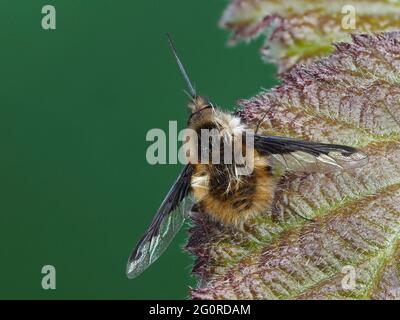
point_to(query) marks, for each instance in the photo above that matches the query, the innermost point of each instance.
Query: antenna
(181, 67)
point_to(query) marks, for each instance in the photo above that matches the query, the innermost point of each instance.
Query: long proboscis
(181, 67)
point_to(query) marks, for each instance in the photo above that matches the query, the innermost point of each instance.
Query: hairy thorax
(221, 192)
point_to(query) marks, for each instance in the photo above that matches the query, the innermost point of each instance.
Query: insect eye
(198, 111)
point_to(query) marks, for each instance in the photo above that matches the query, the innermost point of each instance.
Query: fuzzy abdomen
(231, 199)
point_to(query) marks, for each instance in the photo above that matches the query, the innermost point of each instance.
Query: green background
(76, 104)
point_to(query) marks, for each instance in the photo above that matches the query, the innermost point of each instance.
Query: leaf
(351, 97)
(300, 31)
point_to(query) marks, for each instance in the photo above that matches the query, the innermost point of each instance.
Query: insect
(217, 188)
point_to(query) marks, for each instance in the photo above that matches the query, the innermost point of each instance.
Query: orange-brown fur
(229, 198)
(223, 206)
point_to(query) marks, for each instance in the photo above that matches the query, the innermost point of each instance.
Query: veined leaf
(352, 248)
(300, 31)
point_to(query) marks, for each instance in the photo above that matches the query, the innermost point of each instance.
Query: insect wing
(165, 225)
(288, 154)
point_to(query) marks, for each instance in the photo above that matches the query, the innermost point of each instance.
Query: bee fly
(217, 188)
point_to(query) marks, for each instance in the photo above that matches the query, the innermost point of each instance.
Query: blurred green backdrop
(76, 104)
